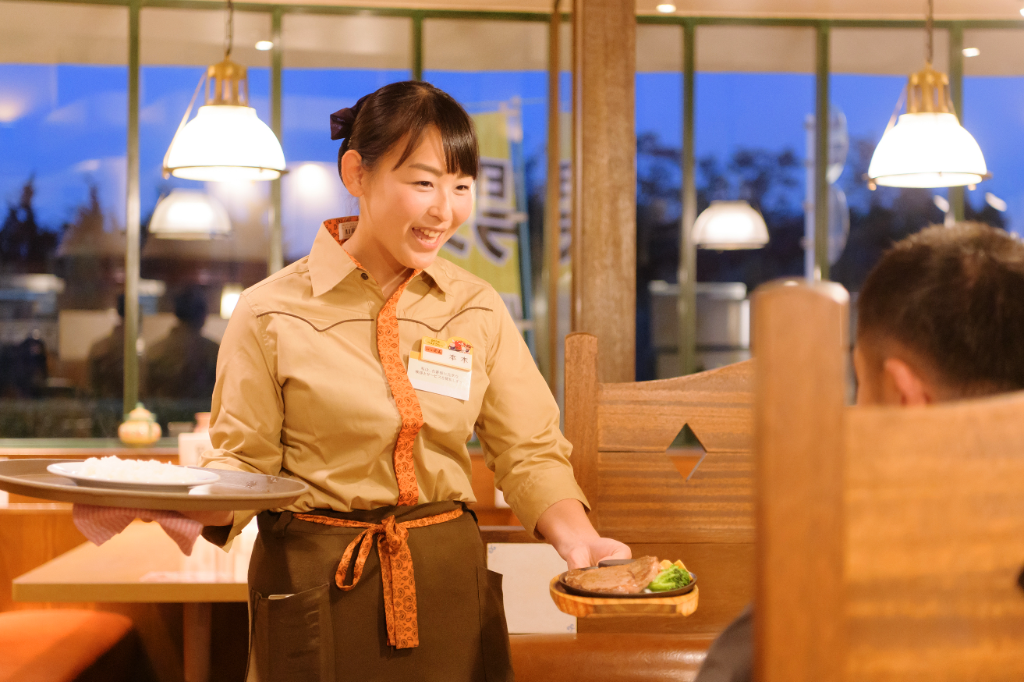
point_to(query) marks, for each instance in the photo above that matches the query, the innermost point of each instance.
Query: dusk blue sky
(66, 124)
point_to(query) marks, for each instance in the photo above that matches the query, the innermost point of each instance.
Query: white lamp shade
(225, 142)
(728, 225)
(927, 150)
(189, 214)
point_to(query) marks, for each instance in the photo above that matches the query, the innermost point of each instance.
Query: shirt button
(365, 276)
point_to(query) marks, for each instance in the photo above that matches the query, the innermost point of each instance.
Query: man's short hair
(954, 297)
(190, 307)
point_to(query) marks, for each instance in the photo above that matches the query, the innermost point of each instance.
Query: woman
(363, 370)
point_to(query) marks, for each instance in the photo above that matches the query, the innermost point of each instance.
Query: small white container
(191, 446)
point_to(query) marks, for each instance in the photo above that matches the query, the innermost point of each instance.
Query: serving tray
(587, 607)
(234, 491)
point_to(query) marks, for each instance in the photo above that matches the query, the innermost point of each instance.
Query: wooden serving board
(587, 607)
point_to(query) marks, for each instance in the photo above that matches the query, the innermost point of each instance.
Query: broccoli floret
(671, 578)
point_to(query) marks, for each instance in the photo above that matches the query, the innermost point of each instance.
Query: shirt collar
(329, 265)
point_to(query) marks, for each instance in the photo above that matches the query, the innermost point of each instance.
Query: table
(143, 565)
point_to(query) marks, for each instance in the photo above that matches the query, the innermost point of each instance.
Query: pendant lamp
(189, 214)
(226, 140)
(730, 225)
(926, 146)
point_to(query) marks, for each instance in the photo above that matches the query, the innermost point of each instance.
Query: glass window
(870, 68)
(329, 63)
(63, 132)
(755, 90)
(187, 280)
(498, 71)
(659, 130)
(993, 111)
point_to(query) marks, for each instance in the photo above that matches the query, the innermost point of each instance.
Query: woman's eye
(425, 183)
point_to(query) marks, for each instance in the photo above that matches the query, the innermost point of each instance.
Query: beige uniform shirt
(301, 391)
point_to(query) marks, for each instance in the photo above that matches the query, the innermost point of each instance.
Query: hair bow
(343, 120)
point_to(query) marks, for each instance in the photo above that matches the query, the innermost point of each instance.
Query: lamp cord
(231, 29)
(928, 28)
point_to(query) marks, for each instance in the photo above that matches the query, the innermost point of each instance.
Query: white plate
(73, 470)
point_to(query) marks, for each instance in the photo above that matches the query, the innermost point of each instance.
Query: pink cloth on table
(99, 524)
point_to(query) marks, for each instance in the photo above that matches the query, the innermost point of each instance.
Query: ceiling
(836, 9)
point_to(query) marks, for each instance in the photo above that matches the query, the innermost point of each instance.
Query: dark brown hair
(955, 297)
(396, 110)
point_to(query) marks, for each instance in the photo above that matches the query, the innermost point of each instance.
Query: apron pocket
(494, 642)
(292, 638)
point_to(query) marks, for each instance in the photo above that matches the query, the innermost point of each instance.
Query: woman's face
(412, 210)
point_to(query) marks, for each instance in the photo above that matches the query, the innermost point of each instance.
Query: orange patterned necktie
(406, 402)
(395, 558)
(396, 572)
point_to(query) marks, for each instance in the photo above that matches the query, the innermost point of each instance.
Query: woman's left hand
(594, 550)
(566, 526)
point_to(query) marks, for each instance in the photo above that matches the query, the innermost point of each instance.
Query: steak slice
(629, 578)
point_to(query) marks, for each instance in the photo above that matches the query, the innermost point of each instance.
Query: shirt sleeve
(518, 428)
(247, 411)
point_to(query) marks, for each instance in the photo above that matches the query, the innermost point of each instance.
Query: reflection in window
(497, 70)
(993, 102)
(753, 99)
(329, 63)
(180, 329)
(659, 127)
(865, 87)
(63, 132)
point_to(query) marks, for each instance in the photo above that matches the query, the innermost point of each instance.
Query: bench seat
(607, 657)
(64, 645)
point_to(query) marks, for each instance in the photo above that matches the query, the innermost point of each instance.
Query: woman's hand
(596, 550)
(566, 526)
(211, 518)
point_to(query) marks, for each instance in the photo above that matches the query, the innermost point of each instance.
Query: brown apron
(303, 627)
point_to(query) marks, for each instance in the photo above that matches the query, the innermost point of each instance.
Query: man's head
(941, 317)
(190, 307)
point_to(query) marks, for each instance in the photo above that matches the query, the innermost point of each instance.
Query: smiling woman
(328, 383)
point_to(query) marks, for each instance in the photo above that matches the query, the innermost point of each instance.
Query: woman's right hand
(211, 518)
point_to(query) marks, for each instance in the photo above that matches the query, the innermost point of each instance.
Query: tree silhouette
(25, 246)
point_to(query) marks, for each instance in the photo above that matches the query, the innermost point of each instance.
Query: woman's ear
(902, 385)
(353, 173)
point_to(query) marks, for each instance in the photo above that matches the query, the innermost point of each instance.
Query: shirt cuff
(223, 536)
(541, 490)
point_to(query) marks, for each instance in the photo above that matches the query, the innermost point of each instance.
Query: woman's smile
(429, 237)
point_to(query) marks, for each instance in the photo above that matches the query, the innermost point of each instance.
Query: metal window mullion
(821, 152)
(552, 201)
(132, 217)
(687, 302)
(956, 93)
(417, 46)
(275, 257)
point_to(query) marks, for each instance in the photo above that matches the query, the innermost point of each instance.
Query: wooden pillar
(604, 182)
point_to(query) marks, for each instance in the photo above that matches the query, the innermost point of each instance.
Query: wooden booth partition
(890, 539)
(692, 505)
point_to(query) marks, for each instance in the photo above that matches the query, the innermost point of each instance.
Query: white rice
(136, 471)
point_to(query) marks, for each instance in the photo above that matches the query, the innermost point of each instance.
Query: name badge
(442, 367)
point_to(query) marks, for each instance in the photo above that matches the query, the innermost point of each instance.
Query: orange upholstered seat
(56, 645)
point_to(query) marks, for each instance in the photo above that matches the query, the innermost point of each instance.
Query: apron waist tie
(395, 568)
